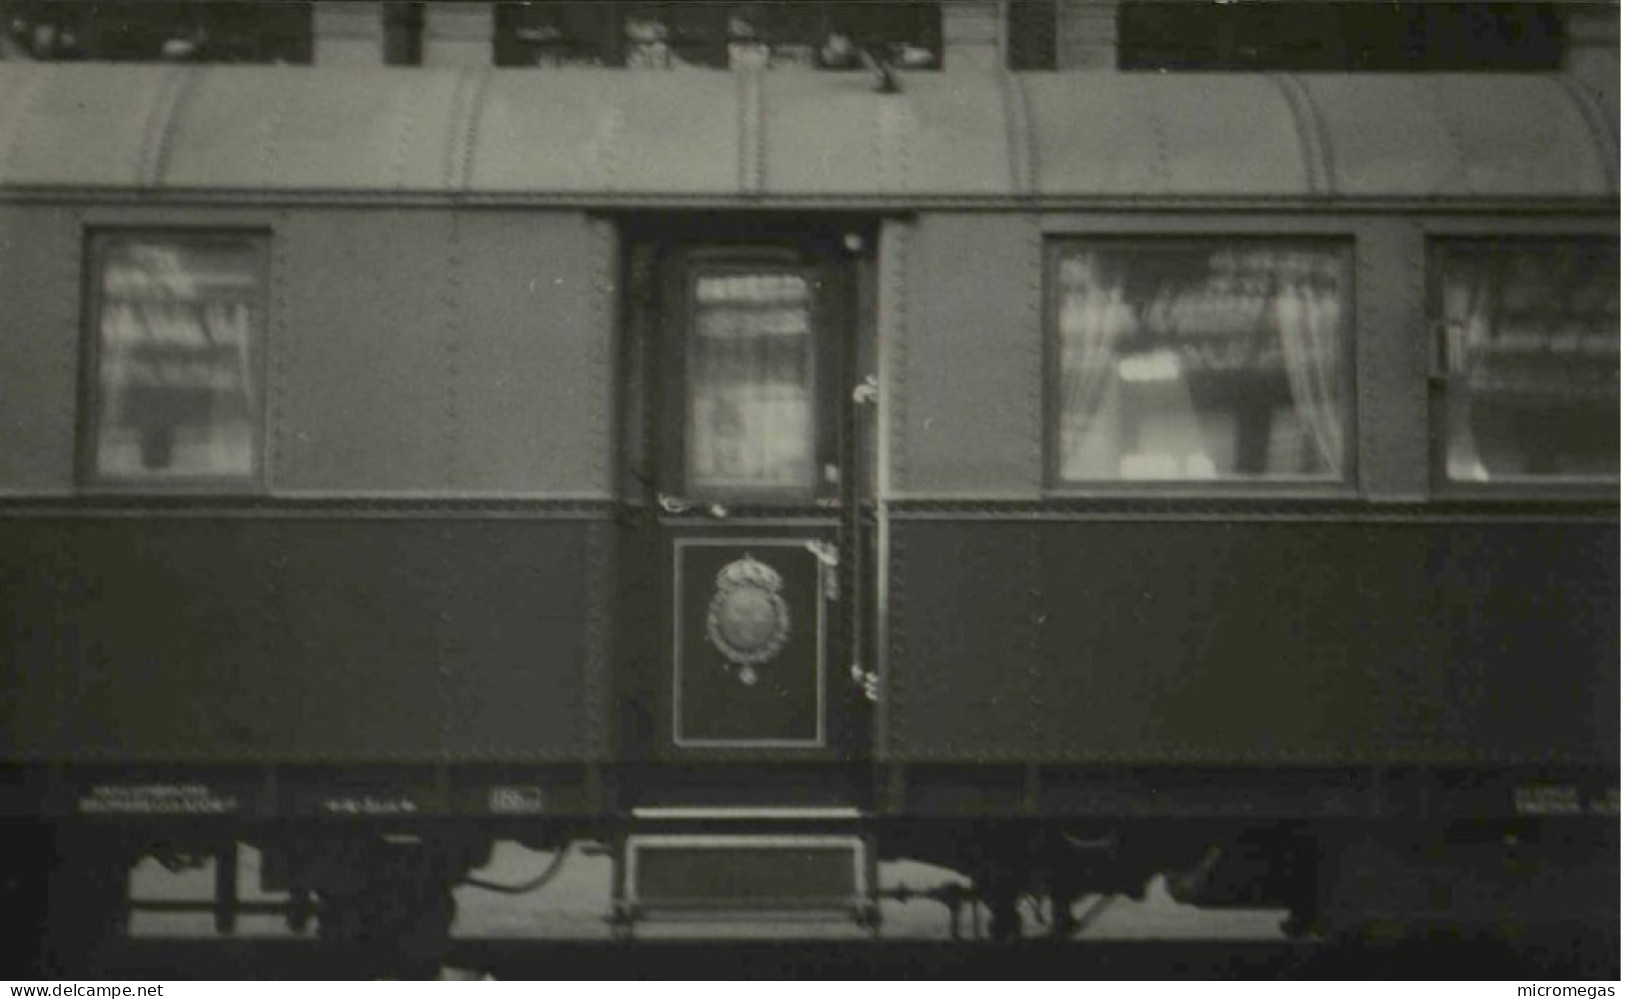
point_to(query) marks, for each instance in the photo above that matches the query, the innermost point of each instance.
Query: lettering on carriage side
(366, 804)
(524, 799)
(1546, 799)
(156, 799)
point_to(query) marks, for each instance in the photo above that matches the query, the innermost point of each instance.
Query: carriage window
(1530, 343)
(751, 420)
(1216, 361)
(177, 327)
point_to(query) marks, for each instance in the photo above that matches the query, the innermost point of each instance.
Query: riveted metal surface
(942, 134)
(432, 384)
(160, 130)
(608, 131)
(974, 370)
(1226, 642)
(598, 594)
(454, 337)
(1600, 109)
(362, 355)
(40, 334)
(891, 352)
(1391, 356)
(951, 136)
(1448, 134)
(523, 616)
(1317, 152)
(533, 385)
(18, 88)
(1221, 641)
(463, 128)
(821, 139)
(615, 135)
(299, 129)
(1018, 126)
(752, 154)
(81, 126)
(962, 643)
(277, 432)
(896, 273)
(1133, 132)
(294, 640)
(1526, 621)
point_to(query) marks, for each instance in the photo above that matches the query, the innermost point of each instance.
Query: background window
(1200, 361)
(751, 421)
(403, 34)
(177, 327)
(1530, 341)
(1338, 35)
(253, 31)
(1030, 30)
(672, 34)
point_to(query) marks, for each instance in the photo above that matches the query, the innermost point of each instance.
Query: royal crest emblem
(748, 621)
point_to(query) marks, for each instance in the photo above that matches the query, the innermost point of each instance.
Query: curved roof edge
(584, 134)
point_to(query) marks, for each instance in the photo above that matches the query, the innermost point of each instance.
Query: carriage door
(747, 496)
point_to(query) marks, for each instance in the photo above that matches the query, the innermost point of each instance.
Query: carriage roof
(606, 136)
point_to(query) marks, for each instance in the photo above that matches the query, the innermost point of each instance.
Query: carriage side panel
(432, 351)
(40, 334)
(1230, 641)
(298, 639)
(974, 367)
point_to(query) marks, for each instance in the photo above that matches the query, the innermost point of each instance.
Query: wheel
(394, 919)
(86, 905)
(25, 888)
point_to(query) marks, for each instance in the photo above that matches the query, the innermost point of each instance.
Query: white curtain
(1467, 329)
(1309, 319)
(1194, 324)
(1094, 314)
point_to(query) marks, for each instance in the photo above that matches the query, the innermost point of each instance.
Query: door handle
(867, 681)
(829, 560)
(677, 504)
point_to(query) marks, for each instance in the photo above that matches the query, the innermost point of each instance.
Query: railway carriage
(1060, 478)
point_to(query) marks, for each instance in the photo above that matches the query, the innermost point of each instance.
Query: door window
(751, 420)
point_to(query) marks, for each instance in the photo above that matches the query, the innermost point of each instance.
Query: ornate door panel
(743, 479)
(751, 643)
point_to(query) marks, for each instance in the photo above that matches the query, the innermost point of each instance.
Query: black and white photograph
(1102, 490)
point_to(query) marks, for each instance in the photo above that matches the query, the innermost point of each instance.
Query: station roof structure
(613, 136)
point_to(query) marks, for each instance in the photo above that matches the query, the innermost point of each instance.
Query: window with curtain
(1200, 360)
(751, 403)
(177, 327)
(1529, 334)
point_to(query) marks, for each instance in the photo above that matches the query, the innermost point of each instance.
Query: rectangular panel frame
(1342, 481)
(1441, 231)
(713, 841)
(821, 738)
(87, 478)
